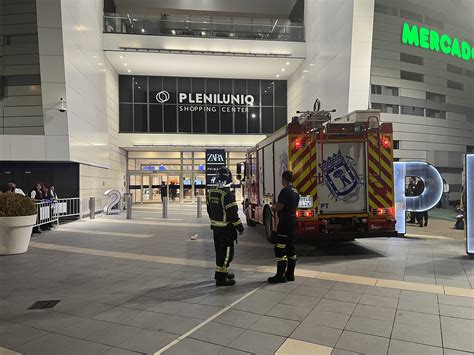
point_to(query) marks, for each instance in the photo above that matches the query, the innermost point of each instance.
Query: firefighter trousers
(224, 245)
(285, 241)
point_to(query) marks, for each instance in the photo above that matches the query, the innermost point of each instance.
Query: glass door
(135, 187)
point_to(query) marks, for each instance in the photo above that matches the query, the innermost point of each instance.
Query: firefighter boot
(222, 280)
(230, 276)
(290, 271)
(280, 275)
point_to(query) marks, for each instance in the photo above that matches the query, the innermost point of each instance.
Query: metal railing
(52, 211)
(206, 27)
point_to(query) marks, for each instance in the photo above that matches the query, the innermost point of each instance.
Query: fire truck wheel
(251, 222)
(267, 222)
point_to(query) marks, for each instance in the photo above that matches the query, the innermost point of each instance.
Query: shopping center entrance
(182, 172)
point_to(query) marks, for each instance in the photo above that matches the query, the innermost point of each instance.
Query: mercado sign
(423, 37)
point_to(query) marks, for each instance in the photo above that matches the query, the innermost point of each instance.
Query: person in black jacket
(285, 253)
(223, 212)
(163, 190)
(421, 217)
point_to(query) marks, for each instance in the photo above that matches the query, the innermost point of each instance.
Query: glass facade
(183, 171)
(151, 104)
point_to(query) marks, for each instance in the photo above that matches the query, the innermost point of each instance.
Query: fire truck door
(342, 186)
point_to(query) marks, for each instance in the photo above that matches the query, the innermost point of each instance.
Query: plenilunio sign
(209, 102)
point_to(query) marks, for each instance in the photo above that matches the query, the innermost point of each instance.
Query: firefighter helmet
(224, 176)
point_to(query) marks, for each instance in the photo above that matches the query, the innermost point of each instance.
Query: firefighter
(225, 222)
(285, 253)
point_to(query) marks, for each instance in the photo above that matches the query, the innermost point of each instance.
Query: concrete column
(181, 176)
(193, 190)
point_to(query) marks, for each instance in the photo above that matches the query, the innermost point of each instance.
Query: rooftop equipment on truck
(343, 170)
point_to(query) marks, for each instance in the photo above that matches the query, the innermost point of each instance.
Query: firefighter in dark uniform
(225, 222)
(285, 253)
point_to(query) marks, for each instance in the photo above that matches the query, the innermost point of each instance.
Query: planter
(15, 234)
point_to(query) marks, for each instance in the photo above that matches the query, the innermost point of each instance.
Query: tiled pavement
(135, 287)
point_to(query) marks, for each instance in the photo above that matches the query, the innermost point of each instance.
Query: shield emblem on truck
(340, 175)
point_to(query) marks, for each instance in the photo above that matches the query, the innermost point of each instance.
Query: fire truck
(343, 171)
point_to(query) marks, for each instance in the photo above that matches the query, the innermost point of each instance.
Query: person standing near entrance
(285, 252)
(223, 212)
(163, 190)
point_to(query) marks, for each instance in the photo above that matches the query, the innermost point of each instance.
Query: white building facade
(347, 53)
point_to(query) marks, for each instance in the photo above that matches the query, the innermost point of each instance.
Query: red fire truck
(343, 171)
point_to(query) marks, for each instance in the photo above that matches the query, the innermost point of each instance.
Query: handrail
(144, 25)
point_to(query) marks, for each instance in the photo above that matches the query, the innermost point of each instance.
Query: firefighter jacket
(223, 210)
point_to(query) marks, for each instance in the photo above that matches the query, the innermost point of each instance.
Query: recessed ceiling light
(287, 63)
(278, 75)
(305, 71)
(312, 64)
(282, 69)
(125, 64)
(129, 70)
(121, 57)
(254, 115)
(100, 63)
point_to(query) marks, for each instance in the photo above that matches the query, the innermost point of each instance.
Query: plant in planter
(17, 217)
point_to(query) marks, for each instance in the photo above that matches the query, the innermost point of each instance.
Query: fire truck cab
(343, 171)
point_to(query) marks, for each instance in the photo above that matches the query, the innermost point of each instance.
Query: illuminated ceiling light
(305, 71)
(278, 75)
(125, 64)
(139, 87)
(129, 70)
(100, 63)
(203, 33)
(254, 115)
(282, 69)
(173, 32)
(231, 34)
(143, 30)
(121, 57)
(311, 64)
(287, 63)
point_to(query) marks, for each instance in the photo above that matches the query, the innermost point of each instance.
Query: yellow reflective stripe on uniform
(227, 256)
(222, 203)
(221, 269)
(283, 258)
(281, 246)
(218, 223)
(237, 223)
(292, 257)
(232, 204)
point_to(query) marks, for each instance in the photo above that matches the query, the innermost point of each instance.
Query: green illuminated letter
(434, 41)
(424, 35)
(410, 35)
(445, 44)
(466, 50)
(456, 49)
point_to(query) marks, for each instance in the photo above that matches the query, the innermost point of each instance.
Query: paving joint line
(361, 280)
(208, 320)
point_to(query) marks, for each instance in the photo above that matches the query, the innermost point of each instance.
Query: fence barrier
(51, 211)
